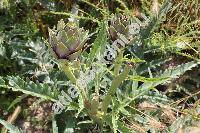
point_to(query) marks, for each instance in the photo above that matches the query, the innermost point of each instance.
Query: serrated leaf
(144, 79)
(170, 74)
(17, 100)
(35, 89)
(99, 44)
(10, 127)
(153, 64)
(179, 70)
(155, 21)
(121, 127)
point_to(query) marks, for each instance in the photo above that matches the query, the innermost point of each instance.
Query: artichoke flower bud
(119, 25)
(68, 40)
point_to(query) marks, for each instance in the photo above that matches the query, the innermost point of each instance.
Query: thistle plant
(67, 43)
(123, 96)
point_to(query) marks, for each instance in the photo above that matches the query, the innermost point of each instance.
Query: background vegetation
(159, 93)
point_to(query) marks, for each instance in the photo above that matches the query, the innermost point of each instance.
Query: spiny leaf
(155, 21)
(70, 14)
(10, 127)
(133, 60)
(179, 70)
(121, 126)
(153, 64)
(188, 56)
(99, 44)
(144, 79)
(31, 88)
(170, 74)
(17, 100)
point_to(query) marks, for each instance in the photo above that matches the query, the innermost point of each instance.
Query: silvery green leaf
(10, 127)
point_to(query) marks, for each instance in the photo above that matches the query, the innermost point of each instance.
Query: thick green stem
(95, 99)
(115, 84)
(118, 63)
(68, 72)
(66, 68)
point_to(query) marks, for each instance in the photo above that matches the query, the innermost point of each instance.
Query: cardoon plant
(67, 43)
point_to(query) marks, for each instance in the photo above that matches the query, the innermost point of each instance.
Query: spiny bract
(67, 41)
